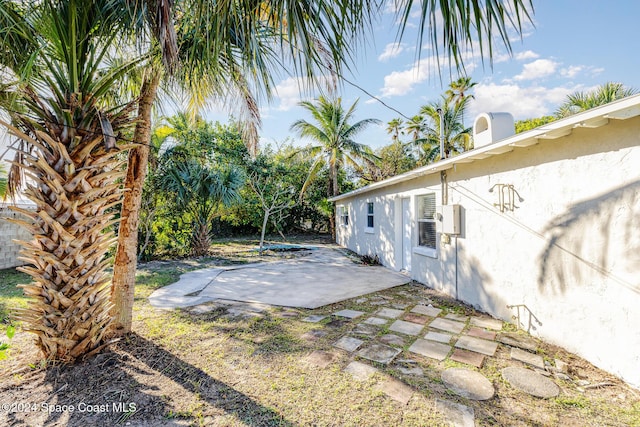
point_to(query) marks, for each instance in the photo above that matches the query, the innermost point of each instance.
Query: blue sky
(575, 45)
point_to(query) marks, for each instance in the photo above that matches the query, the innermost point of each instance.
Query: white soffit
(619, 110)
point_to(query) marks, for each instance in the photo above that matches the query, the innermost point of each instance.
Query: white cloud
(292, 90)
(522, 102)
(571, 71)
(527, 54)
(401, 82)
(391, 50)
(537, 69)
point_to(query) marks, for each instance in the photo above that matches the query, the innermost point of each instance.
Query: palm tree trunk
(125, 264)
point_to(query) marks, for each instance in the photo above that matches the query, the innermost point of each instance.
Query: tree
(528, 124)
(267, 179)
(394, 128)
(582, 101)
(458, 91)
(198, 190)
(456, 136)
(334, 135)
(57, 101)
(395, 159)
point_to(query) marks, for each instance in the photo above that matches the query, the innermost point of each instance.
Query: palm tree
(335, 135)
(582, 101)
(458, 91)
(456, 136)
(198, 190)
(394, 127)
(70, 152)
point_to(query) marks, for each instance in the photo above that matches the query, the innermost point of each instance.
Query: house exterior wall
(568, 254)
(9, 250)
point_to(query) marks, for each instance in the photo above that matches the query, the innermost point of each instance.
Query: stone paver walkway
(409, 339)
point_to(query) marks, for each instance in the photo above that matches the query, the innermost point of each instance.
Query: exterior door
(406, 234)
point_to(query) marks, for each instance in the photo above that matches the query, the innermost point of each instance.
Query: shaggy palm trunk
(125, 264)
(73, 189)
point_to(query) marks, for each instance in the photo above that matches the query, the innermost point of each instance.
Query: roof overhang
(619, 110)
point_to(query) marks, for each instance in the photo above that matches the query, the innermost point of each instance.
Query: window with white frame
(369, 214)
(426, 220)
(343, 215)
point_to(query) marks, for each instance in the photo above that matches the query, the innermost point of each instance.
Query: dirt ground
(220, 366)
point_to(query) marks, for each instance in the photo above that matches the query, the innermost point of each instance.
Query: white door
(406, 234)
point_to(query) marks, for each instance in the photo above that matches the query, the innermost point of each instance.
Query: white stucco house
(540, 228)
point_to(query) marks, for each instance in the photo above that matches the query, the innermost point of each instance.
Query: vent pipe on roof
(492, 127)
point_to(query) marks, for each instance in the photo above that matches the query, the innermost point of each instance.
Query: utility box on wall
(448, 219)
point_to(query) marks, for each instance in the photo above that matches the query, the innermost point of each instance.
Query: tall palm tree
(56, 101)
(456, 136)
(458, 91)
(395, 129)
(582, 101)
(335, 137)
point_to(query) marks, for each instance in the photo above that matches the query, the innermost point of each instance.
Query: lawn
(237, 365)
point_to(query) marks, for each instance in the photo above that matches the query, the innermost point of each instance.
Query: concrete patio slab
(397, 390)
(427, 310)
(349, 314)
(457, 414)
(324, 277)
(390, 313)
(438, 336)
(468, 357)
(348, 344)
(376, 321)
(526, 357)
(487, 322)
(392, 339)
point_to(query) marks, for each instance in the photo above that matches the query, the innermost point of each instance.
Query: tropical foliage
(582, 101)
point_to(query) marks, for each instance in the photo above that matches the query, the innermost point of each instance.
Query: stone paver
(379, 353)
(432, 349)
(348, 343)
(438, 336)
(320, 358)
(530, 382)
(365, 329)
(392, 339)
(468, 357)
(390, 313)
(467, 383)
(360, 371)
(524, 342)
(481, 333)
(487, 322)
(526, 357)
(396, 390)
(427, 310)
(476, 344)
(416, 318)
(379, 302)
(411, 370)
(314, 318)
(457, 414)
(400, 306)
(406, 328)
(376, 321)
(457, 317)
(361, 300)
(349, 314)
(447, 325)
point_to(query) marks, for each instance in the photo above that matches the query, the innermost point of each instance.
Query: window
(370, 215)
(343, 215)
(426, 221)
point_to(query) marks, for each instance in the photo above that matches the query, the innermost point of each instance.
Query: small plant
(4, 346)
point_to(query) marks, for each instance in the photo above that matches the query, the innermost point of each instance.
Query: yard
(238, 364)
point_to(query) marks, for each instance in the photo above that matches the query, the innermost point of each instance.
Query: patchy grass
(10, 295)
(236, 365)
